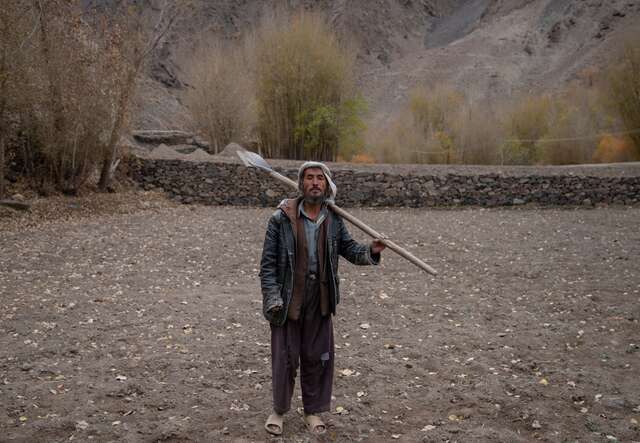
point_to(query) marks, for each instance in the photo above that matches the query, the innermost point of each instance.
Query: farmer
(300, 290)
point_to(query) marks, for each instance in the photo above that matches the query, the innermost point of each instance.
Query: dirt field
(147, 327)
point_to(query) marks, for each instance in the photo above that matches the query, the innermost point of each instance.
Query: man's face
(314, 185)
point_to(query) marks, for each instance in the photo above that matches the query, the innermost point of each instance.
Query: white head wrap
(332, 189)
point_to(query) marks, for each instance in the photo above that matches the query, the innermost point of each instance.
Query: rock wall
(228, 183)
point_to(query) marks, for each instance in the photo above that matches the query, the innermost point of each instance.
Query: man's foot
(274, 424)
(314, 424)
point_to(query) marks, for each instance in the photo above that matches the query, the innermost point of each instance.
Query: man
(300, 289)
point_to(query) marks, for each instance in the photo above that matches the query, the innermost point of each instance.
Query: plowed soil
(147, 326)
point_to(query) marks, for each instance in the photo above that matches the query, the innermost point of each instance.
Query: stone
(391, 193)
(166, 137)
(200, 143)
(225, 182)
(614, 403)
(230, 150)
(415, 186)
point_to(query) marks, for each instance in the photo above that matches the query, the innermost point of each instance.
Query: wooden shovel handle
(366, 229)
(388, 243)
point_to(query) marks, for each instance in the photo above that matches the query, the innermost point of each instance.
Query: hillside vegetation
(491, 63)
(587, 114)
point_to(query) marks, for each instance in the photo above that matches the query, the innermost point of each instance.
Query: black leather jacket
(278, 259)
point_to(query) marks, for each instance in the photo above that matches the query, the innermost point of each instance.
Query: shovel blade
(253, 160)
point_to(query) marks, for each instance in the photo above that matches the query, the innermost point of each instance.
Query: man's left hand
(377, 246)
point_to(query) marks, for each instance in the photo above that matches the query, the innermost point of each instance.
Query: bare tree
(135, 45)
(222, 96)
(63, 97)
(13, 35)
(66, 84)
(4, 76)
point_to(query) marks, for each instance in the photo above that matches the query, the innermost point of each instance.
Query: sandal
(314, 424)
(274, 424)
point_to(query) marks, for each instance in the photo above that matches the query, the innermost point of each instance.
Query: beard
(314, 199)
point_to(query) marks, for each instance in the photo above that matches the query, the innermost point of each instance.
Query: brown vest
(302, 266)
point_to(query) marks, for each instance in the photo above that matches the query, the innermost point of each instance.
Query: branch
(18, 206)
(157, 33)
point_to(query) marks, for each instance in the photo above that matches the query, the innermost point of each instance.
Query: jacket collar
(290, 207)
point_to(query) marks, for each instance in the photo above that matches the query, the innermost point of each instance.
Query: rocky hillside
(486, 48)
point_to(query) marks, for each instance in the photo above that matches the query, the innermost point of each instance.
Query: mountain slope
(511, 48)
(489, 49)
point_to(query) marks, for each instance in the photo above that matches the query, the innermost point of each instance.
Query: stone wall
(230, 183)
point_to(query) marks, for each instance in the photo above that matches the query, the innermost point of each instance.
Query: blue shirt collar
(321, 216)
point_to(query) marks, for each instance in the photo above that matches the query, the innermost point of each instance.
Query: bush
(221, 101)
(433, 112)
(306, 103)
(351, 141)
(433, 109)
(395, 141)
(557, 130)
(571, 137)
(67, 77)
(363, 157)
(14, 25)
(478, 133)
(526, 123)
(624, 89)
(440, 125)
(613, 149)
(62, 98)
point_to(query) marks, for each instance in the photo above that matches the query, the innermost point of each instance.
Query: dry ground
(146, 326)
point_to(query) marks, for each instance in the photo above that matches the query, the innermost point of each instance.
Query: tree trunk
(114, 137)
(128, 89)
(4, 74)
(55, 95)
(2, 191)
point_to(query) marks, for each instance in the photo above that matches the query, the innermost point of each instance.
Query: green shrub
(304, 90)
(526, 123)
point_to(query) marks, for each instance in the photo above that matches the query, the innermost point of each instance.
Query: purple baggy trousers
(306, 343)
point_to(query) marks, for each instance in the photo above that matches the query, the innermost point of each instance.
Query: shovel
(251, 159)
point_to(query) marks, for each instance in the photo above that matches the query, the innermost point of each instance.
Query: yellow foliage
(363, 157)
(624, 88)
(433, 109)
(612, 149)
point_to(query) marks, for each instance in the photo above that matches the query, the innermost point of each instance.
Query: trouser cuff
(317, 410)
